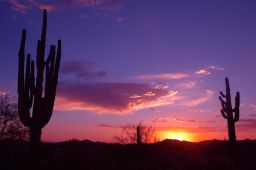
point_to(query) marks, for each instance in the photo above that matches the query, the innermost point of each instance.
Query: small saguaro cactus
(139, 134)
(34, 107)
(228, 112)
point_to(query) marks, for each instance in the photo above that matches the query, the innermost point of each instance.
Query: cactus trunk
(229, 113)
(35, 140)
(231, 130)
(139, 135)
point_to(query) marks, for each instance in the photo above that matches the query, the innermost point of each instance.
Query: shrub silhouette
(136, 134)
(227, 111)
(30, 91)
(10, 125)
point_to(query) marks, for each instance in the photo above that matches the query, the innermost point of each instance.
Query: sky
(161, 63)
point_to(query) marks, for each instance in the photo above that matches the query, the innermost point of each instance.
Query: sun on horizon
(178, 135)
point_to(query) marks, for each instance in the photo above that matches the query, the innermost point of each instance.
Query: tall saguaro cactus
(228, 112)
(34, 107)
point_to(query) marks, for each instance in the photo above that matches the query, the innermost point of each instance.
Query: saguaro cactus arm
(224, 115)
(236, 110)
(23, 84)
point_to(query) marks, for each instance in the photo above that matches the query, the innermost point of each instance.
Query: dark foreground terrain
(168, 154)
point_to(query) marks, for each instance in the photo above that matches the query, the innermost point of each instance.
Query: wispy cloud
(188, 84)
(202, 99)
(162, 76)
(194, 129)
(23, 7)
(163, 120)
(202, 72)
(246, 124)
(119, 19)
(110, 126)
(180, 75)
(19, 6)
(253, 106)
(86, 3)
(48, 7)
(208, 70)
(81, 69)
(217, 68)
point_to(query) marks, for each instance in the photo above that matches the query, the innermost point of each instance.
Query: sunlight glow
(181, 136)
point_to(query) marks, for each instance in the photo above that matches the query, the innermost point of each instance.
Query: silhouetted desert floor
(168, 154)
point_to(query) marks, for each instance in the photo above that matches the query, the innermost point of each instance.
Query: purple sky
(161, 63)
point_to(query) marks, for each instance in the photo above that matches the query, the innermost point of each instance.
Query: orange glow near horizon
(178, 135)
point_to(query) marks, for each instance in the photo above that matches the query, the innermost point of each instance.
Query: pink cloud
(113, 98)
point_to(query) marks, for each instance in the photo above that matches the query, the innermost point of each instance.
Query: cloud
(48, 7)
(110, 126)
(202, 72)
(187, 121)
(119, 19)
(217, 68)
(208, 70)
(3, 93)
(81, 69)
(246, 124)
(204, 98)
(20, 6)
(180, 75)
(188, 84)
(161, 120)
(113, 98)
(253, 106)
(162, 76)
(115, 5)
(86, 3)
(23, 7)
(158, 119)
(198, 129)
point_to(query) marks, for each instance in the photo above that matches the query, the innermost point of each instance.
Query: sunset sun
(181, 136)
